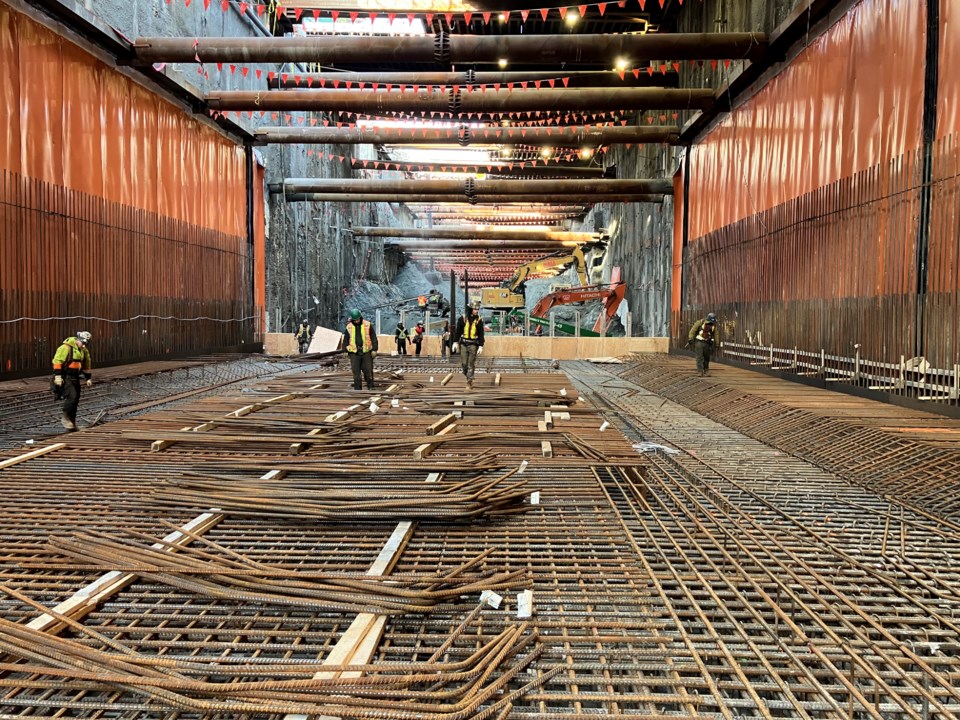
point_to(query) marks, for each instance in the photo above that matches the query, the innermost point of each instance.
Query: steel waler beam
(470, 187)
(471, 233)
(459, 198)
(478, 244)
(485, 217)
(574, 78)
(492, 169)
(538, 209)
(449, 101)
(571, 136)
(448, 49)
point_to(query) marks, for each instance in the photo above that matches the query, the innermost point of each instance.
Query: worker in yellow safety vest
(303, 336)
(469, 338)
(70, 362)
(360, 342)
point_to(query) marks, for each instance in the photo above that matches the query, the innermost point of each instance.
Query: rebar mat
(727, 580)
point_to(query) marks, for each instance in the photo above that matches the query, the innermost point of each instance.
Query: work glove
(373, 353)
(454, 347)
(58, 380)
(89, 382)
(480, 350)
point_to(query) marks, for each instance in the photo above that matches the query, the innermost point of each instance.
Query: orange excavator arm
(611, 295)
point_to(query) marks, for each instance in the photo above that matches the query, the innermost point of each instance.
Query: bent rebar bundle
(475, 687)
(306, 498)
(221, 573)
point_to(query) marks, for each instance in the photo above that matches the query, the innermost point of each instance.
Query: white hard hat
(84, 337)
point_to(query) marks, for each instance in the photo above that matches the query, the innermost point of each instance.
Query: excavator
(612, 296)
(510, 295)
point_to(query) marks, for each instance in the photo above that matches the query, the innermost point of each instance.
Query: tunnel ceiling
(494, 114)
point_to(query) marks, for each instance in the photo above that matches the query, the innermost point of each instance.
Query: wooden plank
(88, 598)
(446, 378)
(548, 418)
(423, 450)
(496, 380)
(10, 462)
(297, 447)
(158, 445)
(247, 409)
(350, 410)
(546, 448)
(542, 426)
(358, 644)
(441, 423)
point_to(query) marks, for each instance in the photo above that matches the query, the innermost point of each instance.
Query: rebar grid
(29, 412)
(788, 572)
(894, 464)
(730, 580)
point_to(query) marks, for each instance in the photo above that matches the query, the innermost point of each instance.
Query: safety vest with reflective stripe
(706, 332)
(367, 343)
(470, 329)
(70, 360)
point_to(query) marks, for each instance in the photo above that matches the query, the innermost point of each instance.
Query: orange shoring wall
(850, 101)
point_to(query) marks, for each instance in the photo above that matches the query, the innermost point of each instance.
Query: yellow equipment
(508, 296)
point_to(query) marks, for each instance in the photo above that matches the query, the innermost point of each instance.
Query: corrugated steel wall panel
(837, 271)
(114, 205)
(851, 100)
(145, 278)
(948, 78)
(826, 270)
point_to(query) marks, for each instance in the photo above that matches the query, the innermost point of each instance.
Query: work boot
(67, 422)
(370, 387)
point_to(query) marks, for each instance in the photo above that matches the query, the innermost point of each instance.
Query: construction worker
(434, 300)
(71, 360)
(360, 342)
(303, 336)
(422, 303)
(445, 338)
(401, 337)
(417, 339)
(703, 336)
(468, 337)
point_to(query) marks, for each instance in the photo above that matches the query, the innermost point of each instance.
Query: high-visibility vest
(470, 329)
(706, 332)
(69, 359)
(365, 338)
